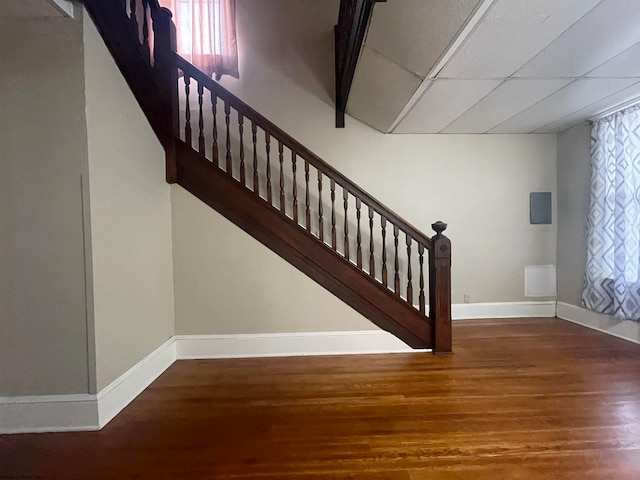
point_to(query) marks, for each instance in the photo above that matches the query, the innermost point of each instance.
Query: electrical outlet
(467, 298)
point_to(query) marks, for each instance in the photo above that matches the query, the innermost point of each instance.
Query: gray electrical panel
(540, 208)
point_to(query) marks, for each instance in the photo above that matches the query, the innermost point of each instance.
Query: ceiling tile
(510, 34)
(371, 99)
(575, 96)
(605, 104)
(442, 103)
(626, 64)
(606, 31)
(509, 99)
(415, 33)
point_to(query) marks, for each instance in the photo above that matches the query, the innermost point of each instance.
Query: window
(612, 274)
(206, 34)
(207, 12)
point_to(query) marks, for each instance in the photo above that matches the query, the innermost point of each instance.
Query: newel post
(164, 54)
(440, 290)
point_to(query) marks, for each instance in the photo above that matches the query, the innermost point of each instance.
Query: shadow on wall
(294, 37)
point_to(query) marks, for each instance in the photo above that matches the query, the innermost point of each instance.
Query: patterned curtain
(612, 283)
(206, 31)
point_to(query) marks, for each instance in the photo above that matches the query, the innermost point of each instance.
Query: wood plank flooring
(520, 399)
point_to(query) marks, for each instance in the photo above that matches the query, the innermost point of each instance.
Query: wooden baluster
(227, 121)
(358, 235)
(214, 147)
(345, 197)
(409, 273)
(187, 110)
(283, 207)
(133, 16)
(333, 214)
(383, 224)
(320, 222)
(145, 31)
(243, 178)
(295, 187)
(267, 140)
(421, 299)
(254, 138)
(201, 147)
(440, 290)
(307, 208)
(372, 262)
(396, 275)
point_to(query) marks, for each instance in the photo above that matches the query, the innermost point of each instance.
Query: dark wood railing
(353, 20)
(273, 167)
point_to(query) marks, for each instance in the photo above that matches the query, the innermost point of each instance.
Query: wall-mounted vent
(540, 281)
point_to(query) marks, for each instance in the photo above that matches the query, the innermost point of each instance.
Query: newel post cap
(439, 227)
(441, 244)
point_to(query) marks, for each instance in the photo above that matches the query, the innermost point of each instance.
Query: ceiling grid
(505, 66)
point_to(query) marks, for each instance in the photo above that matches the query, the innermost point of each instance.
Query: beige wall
(227, 282)
(130, 220)
(43, 334)
(479, 184)
(574, 179)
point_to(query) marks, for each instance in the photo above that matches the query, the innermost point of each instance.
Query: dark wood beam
(349, 32)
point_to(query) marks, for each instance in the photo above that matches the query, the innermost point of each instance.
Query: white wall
(574, 184)
(478, 184)
(130, 220)
(574, 187)
(43, 154)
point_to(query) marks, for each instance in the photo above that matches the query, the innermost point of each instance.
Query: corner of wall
(129, 203)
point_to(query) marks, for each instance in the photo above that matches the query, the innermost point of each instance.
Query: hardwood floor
(520, 399)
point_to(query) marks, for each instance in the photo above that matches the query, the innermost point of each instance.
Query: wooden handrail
(302, 151)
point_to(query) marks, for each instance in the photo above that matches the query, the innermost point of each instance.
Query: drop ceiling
(496, 66)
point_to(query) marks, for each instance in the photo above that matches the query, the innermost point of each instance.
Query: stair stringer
(301, 249)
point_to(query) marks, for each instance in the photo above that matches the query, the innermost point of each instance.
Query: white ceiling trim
(467, 29)
(616, 109)
(474, 19)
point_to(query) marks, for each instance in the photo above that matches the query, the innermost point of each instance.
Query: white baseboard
(48, 413)
(84, 412)
(288, 344)
(625, 329)
(119, 393)
(469, 311)
(92, 412)
(338, 343)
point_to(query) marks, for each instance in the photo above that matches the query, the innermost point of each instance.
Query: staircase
(275, 189)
